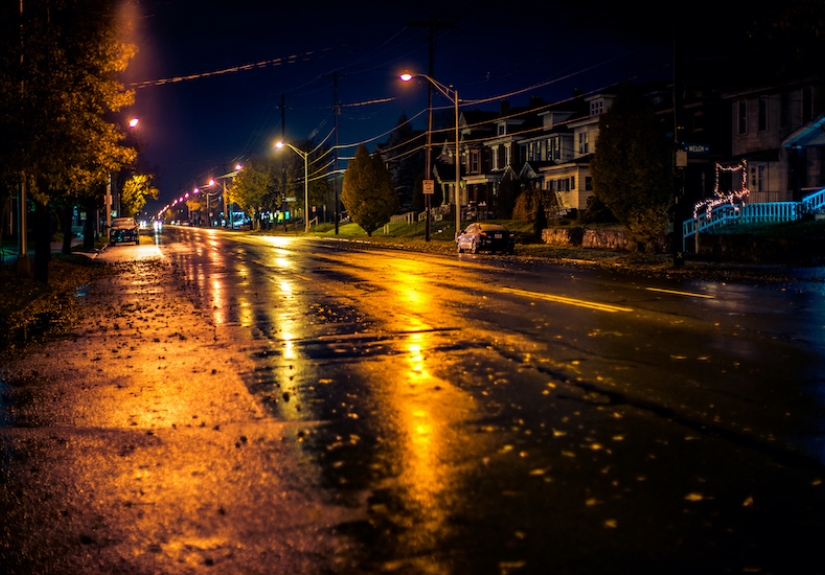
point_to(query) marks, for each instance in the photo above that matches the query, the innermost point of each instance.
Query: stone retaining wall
(605, 239)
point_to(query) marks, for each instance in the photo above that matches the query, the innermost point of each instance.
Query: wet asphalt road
(522, 416)
(484, 414)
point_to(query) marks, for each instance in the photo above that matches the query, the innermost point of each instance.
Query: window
(474, 167)
(553, 149)
(588, 183)
(502, 129)
(759, 173)
(742, 117)
(784, 109)
(596, 107)
(762, 114)
(572, 182)
(584, 143)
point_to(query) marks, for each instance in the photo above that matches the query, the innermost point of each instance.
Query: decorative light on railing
(720, 198)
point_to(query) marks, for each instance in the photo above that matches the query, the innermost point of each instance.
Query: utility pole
(336, 109)
(432, 26)
(23, 265)
(679, 157)
(283, 162)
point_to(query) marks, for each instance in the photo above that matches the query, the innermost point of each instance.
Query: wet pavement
(275, 405)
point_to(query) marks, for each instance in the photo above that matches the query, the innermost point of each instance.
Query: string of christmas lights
(731, 197)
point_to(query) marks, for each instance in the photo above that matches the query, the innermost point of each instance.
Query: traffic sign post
(428, 189)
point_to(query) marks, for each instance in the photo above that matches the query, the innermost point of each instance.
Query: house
(552, 146)
(480, 179)
(777, 131)
(571, 147)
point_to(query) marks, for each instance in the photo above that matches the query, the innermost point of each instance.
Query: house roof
(578, 162)
(811, 134)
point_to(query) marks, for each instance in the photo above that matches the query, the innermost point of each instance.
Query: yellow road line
(684, 293)
(567, 300)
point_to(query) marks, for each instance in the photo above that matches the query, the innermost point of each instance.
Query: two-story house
(570, 179)
(777, 131)
(475, 127)
(552, 146)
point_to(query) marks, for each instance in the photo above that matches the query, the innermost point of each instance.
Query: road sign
(697, 148)
(429, 186)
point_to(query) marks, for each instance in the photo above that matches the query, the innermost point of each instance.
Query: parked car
(124, 230)
(482, 236)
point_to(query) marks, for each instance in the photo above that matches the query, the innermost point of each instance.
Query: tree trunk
(42, 242)
(66, 224)
(89, 228)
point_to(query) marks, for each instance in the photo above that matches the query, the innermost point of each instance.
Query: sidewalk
(9, 254)
(132, 445)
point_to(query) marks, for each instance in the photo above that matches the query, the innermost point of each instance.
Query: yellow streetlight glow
(451, 94)
(305, 156)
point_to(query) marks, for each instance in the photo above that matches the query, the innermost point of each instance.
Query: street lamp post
(451, 94)
(305, 156)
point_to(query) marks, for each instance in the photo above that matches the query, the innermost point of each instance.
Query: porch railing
(769, 212)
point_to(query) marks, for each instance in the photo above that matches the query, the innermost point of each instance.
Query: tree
(631, 167)
(526, 205)
(135, 192)
(256, 186)
(508, 192)
(368, 194)
(405, 160)
(58, 88)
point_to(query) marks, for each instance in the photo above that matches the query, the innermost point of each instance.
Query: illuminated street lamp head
(279, 144)
(133, 122)
(406, 76)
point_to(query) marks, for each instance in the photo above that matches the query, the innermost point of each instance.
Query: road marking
(683, 293)
(568, 300)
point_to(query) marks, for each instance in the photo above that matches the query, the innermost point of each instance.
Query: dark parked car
(480, 236)
(124, 230)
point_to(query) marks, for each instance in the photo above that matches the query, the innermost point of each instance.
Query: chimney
(505, 107)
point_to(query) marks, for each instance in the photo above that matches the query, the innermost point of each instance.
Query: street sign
(292, 199)
(697, 148)
(429, 186)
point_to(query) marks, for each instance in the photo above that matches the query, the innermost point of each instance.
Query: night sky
(200, 127)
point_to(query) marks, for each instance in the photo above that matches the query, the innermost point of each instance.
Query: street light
(305, 156)
(451, 94)
(206, 193)
(133, 122)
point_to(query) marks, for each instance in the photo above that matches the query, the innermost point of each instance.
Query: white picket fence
(407, 218)
(727, 214)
